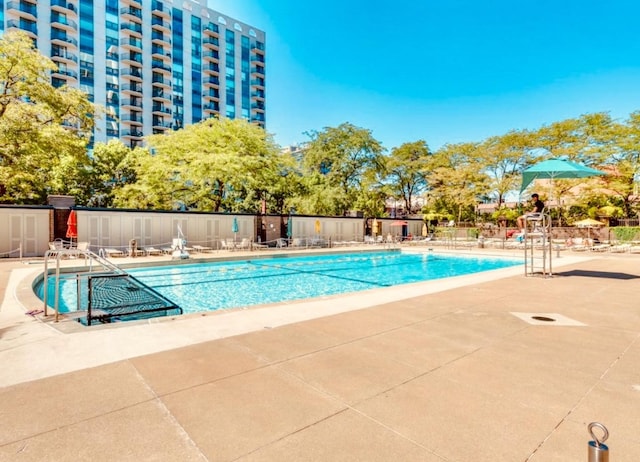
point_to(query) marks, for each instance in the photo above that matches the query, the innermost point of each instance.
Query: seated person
(537, 206)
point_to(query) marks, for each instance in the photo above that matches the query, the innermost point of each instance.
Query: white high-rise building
(155, 65)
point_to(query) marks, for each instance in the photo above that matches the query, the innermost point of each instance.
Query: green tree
(43, 130)
(335, 165)
(503, 158)
(624, 165)
(109, 169)
(215, 165)
(457, 180)
(405, 168)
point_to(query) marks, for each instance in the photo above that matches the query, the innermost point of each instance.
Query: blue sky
(444, 71)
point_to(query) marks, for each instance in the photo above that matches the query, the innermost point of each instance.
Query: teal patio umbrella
(556, 168)
(290, 227)
(234, 228)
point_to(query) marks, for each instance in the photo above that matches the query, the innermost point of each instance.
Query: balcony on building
(211, 42)
(159, 80)
(160, 66)
(131, 28)
(258, 106)
(160, 110)
(161, 96)
(259, 83)
(211, 68)
(211, 81)
(133, 118)
(257, 70)
(257, 58)
(159, 24)
(211, 29)
(159, 123)
(159, 52)
(258, 117)
(159, 9)
(211, 55)
(29, 27)
(212, 94)
(133, 3)
(159, 38)
(131, 133)
(131, 103)
(133, 89)
(61, 38)
(22, 9)
(258, 94)
(132, 73)
(64, 73)
(62, 55)
(131, 43)
(258, 47)
(59, 21)
(213, 107)
(131, 57)
(131, 13)
(64, 6)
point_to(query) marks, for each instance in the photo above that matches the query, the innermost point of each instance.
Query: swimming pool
(221, 285)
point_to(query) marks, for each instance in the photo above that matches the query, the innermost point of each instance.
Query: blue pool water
(214, 286)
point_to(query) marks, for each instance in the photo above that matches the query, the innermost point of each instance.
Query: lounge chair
(202, 248)
(281, 243)
(227, 244)
(620, 248)
(109, 252)
(58, 244)
(153, 251)
(578, 244)
(244, 244)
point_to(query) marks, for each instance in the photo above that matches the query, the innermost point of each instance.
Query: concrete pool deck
(443, 371)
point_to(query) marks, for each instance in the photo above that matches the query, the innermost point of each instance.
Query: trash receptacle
(481, 242)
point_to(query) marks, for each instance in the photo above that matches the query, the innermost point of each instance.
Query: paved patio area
(451, 371)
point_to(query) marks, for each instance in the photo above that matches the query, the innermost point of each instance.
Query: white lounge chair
(109, 252)
(202, 248)
(153, 251)
(620, 248)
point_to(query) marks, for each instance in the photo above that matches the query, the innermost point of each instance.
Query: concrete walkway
(453, 371)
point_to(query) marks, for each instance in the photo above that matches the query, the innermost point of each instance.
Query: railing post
(598, 451)
(89, 293)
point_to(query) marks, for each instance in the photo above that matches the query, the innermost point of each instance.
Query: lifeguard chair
(537, 244)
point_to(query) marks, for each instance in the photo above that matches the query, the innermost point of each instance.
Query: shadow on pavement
(597, 274)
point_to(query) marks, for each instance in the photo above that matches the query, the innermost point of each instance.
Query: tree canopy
(233, 166)
(44, 130)
(215, 165)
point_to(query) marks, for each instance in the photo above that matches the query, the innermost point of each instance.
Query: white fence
(30, 229)
(24, 232)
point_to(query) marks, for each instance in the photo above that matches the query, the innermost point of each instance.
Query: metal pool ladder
(112, 293)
